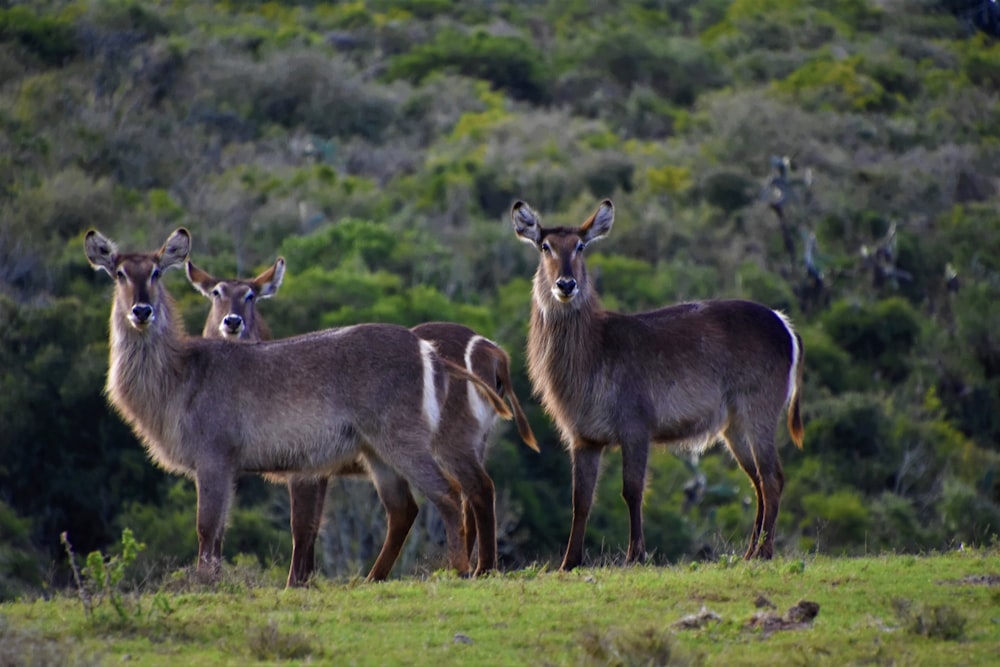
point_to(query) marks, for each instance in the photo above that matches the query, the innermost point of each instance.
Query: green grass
(890, 610)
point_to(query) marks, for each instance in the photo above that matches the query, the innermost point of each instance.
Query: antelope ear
(599, 224)
(526, 223)
(202, 281)
(102, 253)
(267, 283)
(175, 251)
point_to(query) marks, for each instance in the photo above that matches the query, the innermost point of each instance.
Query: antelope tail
(795, 428)
(458, 372)
(503, 374)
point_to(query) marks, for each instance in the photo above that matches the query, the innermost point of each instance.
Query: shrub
(827, 83)
(839, 521)
(880, 335)
(967, 516)
(509, 63)
(896, 525)
(728, 189)
(828, 365)
(49, 38)
(851, 433)
(20, 563)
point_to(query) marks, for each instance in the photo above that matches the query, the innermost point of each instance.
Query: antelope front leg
(634, 459)
(586, 465)
(214, 488)
(306, 498)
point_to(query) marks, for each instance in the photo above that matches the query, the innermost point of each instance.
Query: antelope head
(138, 293)
(562, 274)
(233, 313)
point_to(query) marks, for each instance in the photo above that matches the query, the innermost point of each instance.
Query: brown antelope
(459, 444)
(305, 405)
(233, 315)
(685, 375)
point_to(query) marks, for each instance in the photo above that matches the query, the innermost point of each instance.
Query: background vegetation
(834, 159)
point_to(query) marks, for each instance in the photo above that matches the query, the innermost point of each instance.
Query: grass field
(941, 609)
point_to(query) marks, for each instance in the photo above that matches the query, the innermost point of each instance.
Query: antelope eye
(580, 246)
(120, 274)
(216, 293)
(155, 274)
(546, 247)
(249, 297)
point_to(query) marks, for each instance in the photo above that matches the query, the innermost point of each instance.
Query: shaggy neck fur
(564, 350)
(145, 370)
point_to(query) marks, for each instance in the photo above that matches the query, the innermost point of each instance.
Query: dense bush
(510, 63)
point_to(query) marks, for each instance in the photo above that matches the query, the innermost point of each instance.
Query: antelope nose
(233, 322)
(142, 312)
(566, 285)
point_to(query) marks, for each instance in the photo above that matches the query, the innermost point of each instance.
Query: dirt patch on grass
(974, 580)
(798, 617)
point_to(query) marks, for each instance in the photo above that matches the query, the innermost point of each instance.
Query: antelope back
(234, 315)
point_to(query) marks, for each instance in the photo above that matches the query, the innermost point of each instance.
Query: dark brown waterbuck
(233, 315)
(459, 445)
(686, 375)
(305, 405)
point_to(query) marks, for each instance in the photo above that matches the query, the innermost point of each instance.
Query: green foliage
(880, 335)
(935, 621)
(839, 84)
(26, 647)
(676, 69)
(981, 63)
(642, 647)
(256, 529)
(100, 580)
(268, 642)
(510, 63)
(20, 569)
(841, 517)
(49, 38)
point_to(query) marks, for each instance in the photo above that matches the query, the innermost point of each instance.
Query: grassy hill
(931, 610)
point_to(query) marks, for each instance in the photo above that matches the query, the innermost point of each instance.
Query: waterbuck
(233, 315)
(306, 405)
(459, 444)
(686, 375)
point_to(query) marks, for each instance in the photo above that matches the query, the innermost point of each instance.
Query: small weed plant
(101, 580)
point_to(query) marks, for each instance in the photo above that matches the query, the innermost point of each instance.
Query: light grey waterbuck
(306, 405)
(686, 375)
(459, 444)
